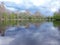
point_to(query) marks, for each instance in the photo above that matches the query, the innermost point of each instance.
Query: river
(44, 33)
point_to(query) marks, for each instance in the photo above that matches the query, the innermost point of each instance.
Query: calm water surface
(45, 33)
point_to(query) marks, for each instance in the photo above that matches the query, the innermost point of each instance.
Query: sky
(47, 7)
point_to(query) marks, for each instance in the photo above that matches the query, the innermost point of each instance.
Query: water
(39, 33)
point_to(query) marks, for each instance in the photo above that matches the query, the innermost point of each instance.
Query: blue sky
(47, 7)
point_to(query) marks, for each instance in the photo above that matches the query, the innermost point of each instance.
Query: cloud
(49, 6)
(6, 40)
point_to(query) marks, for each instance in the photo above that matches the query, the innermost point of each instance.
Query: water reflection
(57, 24)
(2, 30)
(45, 33)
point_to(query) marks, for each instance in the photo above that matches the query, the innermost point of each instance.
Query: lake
(28, 33)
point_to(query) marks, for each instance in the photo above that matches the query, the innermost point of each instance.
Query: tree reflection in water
(46, 34)
(37, 33)
(2, 30)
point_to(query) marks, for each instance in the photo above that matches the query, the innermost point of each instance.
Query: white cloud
(10, 8)
(35, 2)
(53, 5)
(16, 1)
(53, 9)
(38, 2)
(6, 40)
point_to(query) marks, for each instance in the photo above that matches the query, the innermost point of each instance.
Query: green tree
(56, 16)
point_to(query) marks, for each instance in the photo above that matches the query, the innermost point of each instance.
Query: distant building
(37, 14)
(2, 7)
(28, 12)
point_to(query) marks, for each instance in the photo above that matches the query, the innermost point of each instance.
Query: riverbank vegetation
(13, 18)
